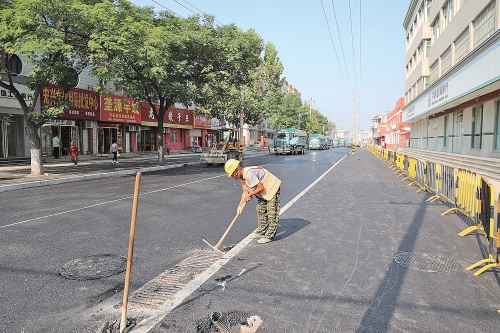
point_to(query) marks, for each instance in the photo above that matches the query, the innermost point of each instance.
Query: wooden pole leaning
(123, 322)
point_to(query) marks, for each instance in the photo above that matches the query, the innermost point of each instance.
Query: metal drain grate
(163, 287)
(427, 262)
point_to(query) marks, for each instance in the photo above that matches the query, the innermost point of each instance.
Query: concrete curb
(48, 182)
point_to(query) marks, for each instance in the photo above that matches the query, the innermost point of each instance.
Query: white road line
(149, 323)
(107, 202)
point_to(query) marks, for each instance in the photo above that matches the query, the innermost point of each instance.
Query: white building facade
(452, 85)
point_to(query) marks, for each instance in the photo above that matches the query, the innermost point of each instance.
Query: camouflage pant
(268, 215)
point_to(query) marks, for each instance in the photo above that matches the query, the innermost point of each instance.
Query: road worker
(259, 182)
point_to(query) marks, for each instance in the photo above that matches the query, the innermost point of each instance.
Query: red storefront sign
(119, 109)
(174, 117)
(203, 121)
(85, 102)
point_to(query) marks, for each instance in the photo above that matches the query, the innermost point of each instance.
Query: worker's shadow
(290, 226)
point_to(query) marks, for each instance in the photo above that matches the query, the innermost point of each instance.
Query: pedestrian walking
(167, 147)
(73, 152)
(259, 182)
(56, 146)
(114, 151)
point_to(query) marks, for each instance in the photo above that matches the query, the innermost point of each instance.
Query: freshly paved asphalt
(360, 251)
(333, 266)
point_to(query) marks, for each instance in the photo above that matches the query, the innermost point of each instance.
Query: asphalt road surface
(46, 231)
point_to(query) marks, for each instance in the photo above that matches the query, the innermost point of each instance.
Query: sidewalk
(94, 167)
(359, 252)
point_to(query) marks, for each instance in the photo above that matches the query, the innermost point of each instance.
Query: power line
(340, 39)
(352, 43)
(192, 11)
(334, 48)
(360, 43)
(199, 10)
(159, 4)
(184, 7)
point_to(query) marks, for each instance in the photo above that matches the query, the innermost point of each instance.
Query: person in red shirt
(73, 152)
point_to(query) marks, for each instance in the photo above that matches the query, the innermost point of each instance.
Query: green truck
(290, 141)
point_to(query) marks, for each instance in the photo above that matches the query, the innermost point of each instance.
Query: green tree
(225, 100)
(162, 59)
(287, 114)
(54, 41)
(272, 81)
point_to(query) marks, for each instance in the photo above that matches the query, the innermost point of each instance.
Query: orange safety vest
(270, 182)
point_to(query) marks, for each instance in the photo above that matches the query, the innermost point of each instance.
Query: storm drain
(163, 287)
(427, 262)
(93, 267)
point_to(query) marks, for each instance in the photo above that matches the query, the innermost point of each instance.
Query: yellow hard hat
(230, 166)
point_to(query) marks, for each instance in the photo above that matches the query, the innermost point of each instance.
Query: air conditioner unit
(88, 123)
(166, 130)
(137, 128)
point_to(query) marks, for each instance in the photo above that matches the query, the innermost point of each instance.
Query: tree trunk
(36, 148)
(161, 145)
(36, 162)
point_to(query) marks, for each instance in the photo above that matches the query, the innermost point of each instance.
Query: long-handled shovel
(216, 247)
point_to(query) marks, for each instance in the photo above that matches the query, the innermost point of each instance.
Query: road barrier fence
(465, 191)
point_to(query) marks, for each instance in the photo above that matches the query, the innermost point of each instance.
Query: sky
(332, 51)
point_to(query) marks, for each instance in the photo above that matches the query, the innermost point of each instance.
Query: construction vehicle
(227, 146)
(318, 141)
(290, 141)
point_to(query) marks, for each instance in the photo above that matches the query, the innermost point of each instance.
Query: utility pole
(354, 134)
(310, 115)
(242, 115)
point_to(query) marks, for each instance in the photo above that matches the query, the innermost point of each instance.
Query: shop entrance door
(106, 135)
(147, 140)
(458, 126)
(67, 135)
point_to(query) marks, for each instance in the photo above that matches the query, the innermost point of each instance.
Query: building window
(462, 46)
(14, 64)
(446, 61)
(477, 127)
(427, 11)
(434, 71)
(420, 85)
(426, 82)
(445, 144)
(427, 47)
(435, 31)
(173, 136)
(497, 127)
(484, 26)
(447, 13)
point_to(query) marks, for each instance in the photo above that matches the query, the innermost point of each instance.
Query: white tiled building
(452, 83)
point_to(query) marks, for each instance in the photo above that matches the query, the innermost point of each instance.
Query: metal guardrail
(468, 192)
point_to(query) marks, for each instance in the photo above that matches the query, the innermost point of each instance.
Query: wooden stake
(123, 322)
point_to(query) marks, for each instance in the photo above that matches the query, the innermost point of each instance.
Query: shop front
(120, 118)
(202, 124)
(176, 128)
(76, 124)
(13, 139)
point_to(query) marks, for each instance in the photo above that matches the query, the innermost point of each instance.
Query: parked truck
(318, 141)
(290, 141)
